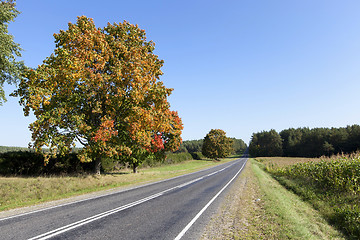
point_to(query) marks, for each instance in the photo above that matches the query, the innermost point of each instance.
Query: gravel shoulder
(258, 207)
(241, 214)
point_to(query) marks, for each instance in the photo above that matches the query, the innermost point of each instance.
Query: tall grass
(332, 185)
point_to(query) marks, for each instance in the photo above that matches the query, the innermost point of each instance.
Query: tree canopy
(216, 145)
(306, 142)
(239, 146)
(101, 88)
(10, 69)
(266, 144)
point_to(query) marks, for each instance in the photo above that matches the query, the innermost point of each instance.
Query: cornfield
(339, 175)
(331, 184)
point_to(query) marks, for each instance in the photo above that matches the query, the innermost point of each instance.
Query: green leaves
(10, 69)
(266, 143)
(101, 87)
(217, 145)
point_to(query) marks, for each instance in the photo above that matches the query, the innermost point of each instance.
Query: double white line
(71, 226)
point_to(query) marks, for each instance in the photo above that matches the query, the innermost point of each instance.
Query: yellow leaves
(101, 87)
(106, 131)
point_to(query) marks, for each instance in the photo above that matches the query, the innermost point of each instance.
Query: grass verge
(25, 191)
(330, 185)
(258, 207)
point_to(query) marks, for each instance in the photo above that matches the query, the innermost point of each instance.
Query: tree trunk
(135, 168)
(97, 165)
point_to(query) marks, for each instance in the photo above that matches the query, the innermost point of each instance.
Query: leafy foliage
(195, 146)
(101, 88)
(10, 69)
(305, 142)
(320, 141)
(266, 144)
(192, 146)
(216, 145)
(239, 146)
(31, 163)
(4, 149)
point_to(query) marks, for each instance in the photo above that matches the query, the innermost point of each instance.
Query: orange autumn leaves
(101, 88)
(105, 132)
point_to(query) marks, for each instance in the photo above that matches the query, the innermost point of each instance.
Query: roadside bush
(110, 165)
(197, 155)
(67, 164)
(31, 163)
(21, 163)
(177, 157)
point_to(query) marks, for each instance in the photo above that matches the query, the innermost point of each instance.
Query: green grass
(24, 191)
(287, 214)
(330, 185)
(258, 207)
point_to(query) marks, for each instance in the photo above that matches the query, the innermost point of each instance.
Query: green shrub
(197, 155)
(31, 163)
(21, 163)
(177, 157)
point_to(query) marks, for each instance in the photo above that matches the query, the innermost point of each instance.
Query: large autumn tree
(101, 88)
(10, 69)
(216, 145)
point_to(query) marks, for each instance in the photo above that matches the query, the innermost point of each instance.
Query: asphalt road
(176, 208)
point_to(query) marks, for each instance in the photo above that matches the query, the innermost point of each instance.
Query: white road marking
(71, 226)
(104, 195)
(182, 233)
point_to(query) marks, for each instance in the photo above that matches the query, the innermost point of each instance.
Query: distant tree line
(4, 149)
(195, 146)
(305, 142)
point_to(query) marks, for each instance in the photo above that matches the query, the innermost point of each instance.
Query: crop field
(331, 185)
(274, 163)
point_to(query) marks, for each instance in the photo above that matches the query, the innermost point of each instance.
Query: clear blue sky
(242, 66)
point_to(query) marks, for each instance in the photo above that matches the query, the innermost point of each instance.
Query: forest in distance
(305, 142)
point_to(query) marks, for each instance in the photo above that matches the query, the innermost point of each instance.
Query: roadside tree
(10, 69)
(216, 145)
(101, 88)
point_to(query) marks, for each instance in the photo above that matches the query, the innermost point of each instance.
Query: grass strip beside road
(258, 207)
(25, 191)
(297, 219)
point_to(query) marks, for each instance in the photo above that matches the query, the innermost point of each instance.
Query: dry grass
(25, 191)
(280, 162)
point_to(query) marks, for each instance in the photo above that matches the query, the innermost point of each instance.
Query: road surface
(177, 208)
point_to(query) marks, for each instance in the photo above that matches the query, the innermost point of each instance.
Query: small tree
(216, 145)
(101, 88)
(10, 69)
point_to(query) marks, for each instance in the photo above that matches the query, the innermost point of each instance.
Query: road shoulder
(258, 207)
